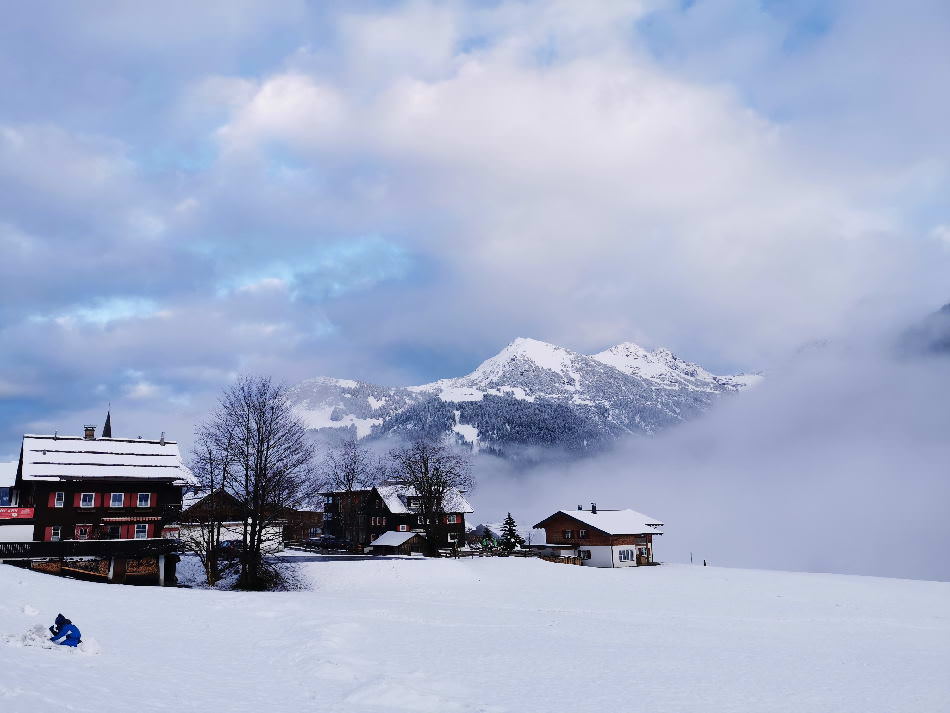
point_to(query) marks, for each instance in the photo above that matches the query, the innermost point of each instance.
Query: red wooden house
(96, 490)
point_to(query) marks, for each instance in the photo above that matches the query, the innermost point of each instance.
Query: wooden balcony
(152, 547)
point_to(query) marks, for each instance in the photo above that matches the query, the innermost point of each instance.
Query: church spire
(107, 428)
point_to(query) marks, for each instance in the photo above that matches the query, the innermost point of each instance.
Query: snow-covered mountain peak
(542, 354)
(664, 368)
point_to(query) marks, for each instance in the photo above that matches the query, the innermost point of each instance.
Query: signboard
(16, 513)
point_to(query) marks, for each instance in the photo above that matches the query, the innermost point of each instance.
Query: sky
(393, 191)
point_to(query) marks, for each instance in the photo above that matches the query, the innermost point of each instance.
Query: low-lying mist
(838, 462)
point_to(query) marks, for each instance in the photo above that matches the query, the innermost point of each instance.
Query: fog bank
(837, 463)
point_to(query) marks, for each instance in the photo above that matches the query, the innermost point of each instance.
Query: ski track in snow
(486, 636)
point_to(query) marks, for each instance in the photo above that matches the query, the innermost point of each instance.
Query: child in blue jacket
(64, 627)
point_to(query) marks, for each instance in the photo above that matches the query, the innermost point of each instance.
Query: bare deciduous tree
(269, 462)
(433, 471)
(347, 469)
(210, 463)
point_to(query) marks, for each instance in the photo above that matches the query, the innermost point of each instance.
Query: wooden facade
(361, 516)
(100, 509)
(77, 494)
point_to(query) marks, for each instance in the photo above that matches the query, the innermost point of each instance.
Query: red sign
(15, 513)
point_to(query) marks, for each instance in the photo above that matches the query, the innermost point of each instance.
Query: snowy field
(486, 635)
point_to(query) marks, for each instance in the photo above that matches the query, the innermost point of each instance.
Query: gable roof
(70, 457)
(393, 539)
(396, 495)
(227, 506)
(614, 522)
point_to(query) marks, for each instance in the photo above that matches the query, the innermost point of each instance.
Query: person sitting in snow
(65, 628)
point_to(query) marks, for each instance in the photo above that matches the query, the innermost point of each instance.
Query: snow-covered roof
(616, 522)
(8, 473)
(68, 457)
(393, 539)
(396, 495)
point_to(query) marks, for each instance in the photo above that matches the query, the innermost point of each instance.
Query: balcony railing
(89, 548)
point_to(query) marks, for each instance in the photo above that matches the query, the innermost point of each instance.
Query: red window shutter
(129, 500)
(52, 500)
(77, 499)
(151, 531)
(48, 535)
(152, 499)
(97, 500)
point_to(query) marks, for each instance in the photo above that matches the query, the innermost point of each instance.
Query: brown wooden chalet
(601, 538)
(106, 507)
(362, 516)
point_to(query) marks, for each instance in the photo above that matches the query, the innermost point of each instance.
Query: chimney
(162, 440)
(593, 508)
(580, 507)
(89, 432)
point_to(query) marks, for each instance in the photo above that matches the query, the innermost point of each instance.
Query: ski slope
(488, 635)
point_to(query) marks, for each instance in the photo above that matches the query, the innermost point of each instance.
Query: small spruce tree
(510, 539)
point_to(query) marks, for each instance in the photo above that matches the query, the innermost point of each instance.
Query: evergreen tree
(510, 539)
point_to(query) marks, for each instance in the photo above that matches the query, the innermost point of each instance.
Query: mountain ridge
(530, 395)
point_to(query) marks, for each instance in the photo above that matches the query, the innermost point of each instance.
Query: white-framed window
(60, 499)
(82, 532)
(145, 499)
(453, 537)
(56, 533)
(403, 528)
(584, 554)
(420, 520)
(141, 531)
(116, 500)
(329, 499)
(627, 556)
(314, 532)
(452, 519)
(582, 534)
(568, 534)
(87, 500)
(377, 521)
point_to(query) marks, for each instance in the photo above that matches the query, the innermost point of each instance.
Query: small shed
(398, 543)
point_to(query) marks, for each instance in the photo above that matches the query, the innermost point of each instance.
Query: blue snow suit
(64, 627)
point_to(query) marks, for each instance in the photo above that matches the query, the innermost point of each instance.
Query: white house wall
(608, 556)
(16, 533)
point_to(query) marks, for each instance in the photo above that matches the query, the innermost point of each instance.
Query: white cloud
(591, 195)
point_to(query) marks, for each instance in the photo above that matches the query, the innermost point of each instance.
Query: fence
(562, 560)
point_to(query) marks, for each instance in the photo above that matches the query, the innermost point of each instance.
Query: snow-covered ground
(486, 635)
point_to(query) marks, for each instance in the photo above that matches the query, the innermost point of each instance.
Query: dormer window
(414, 503)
